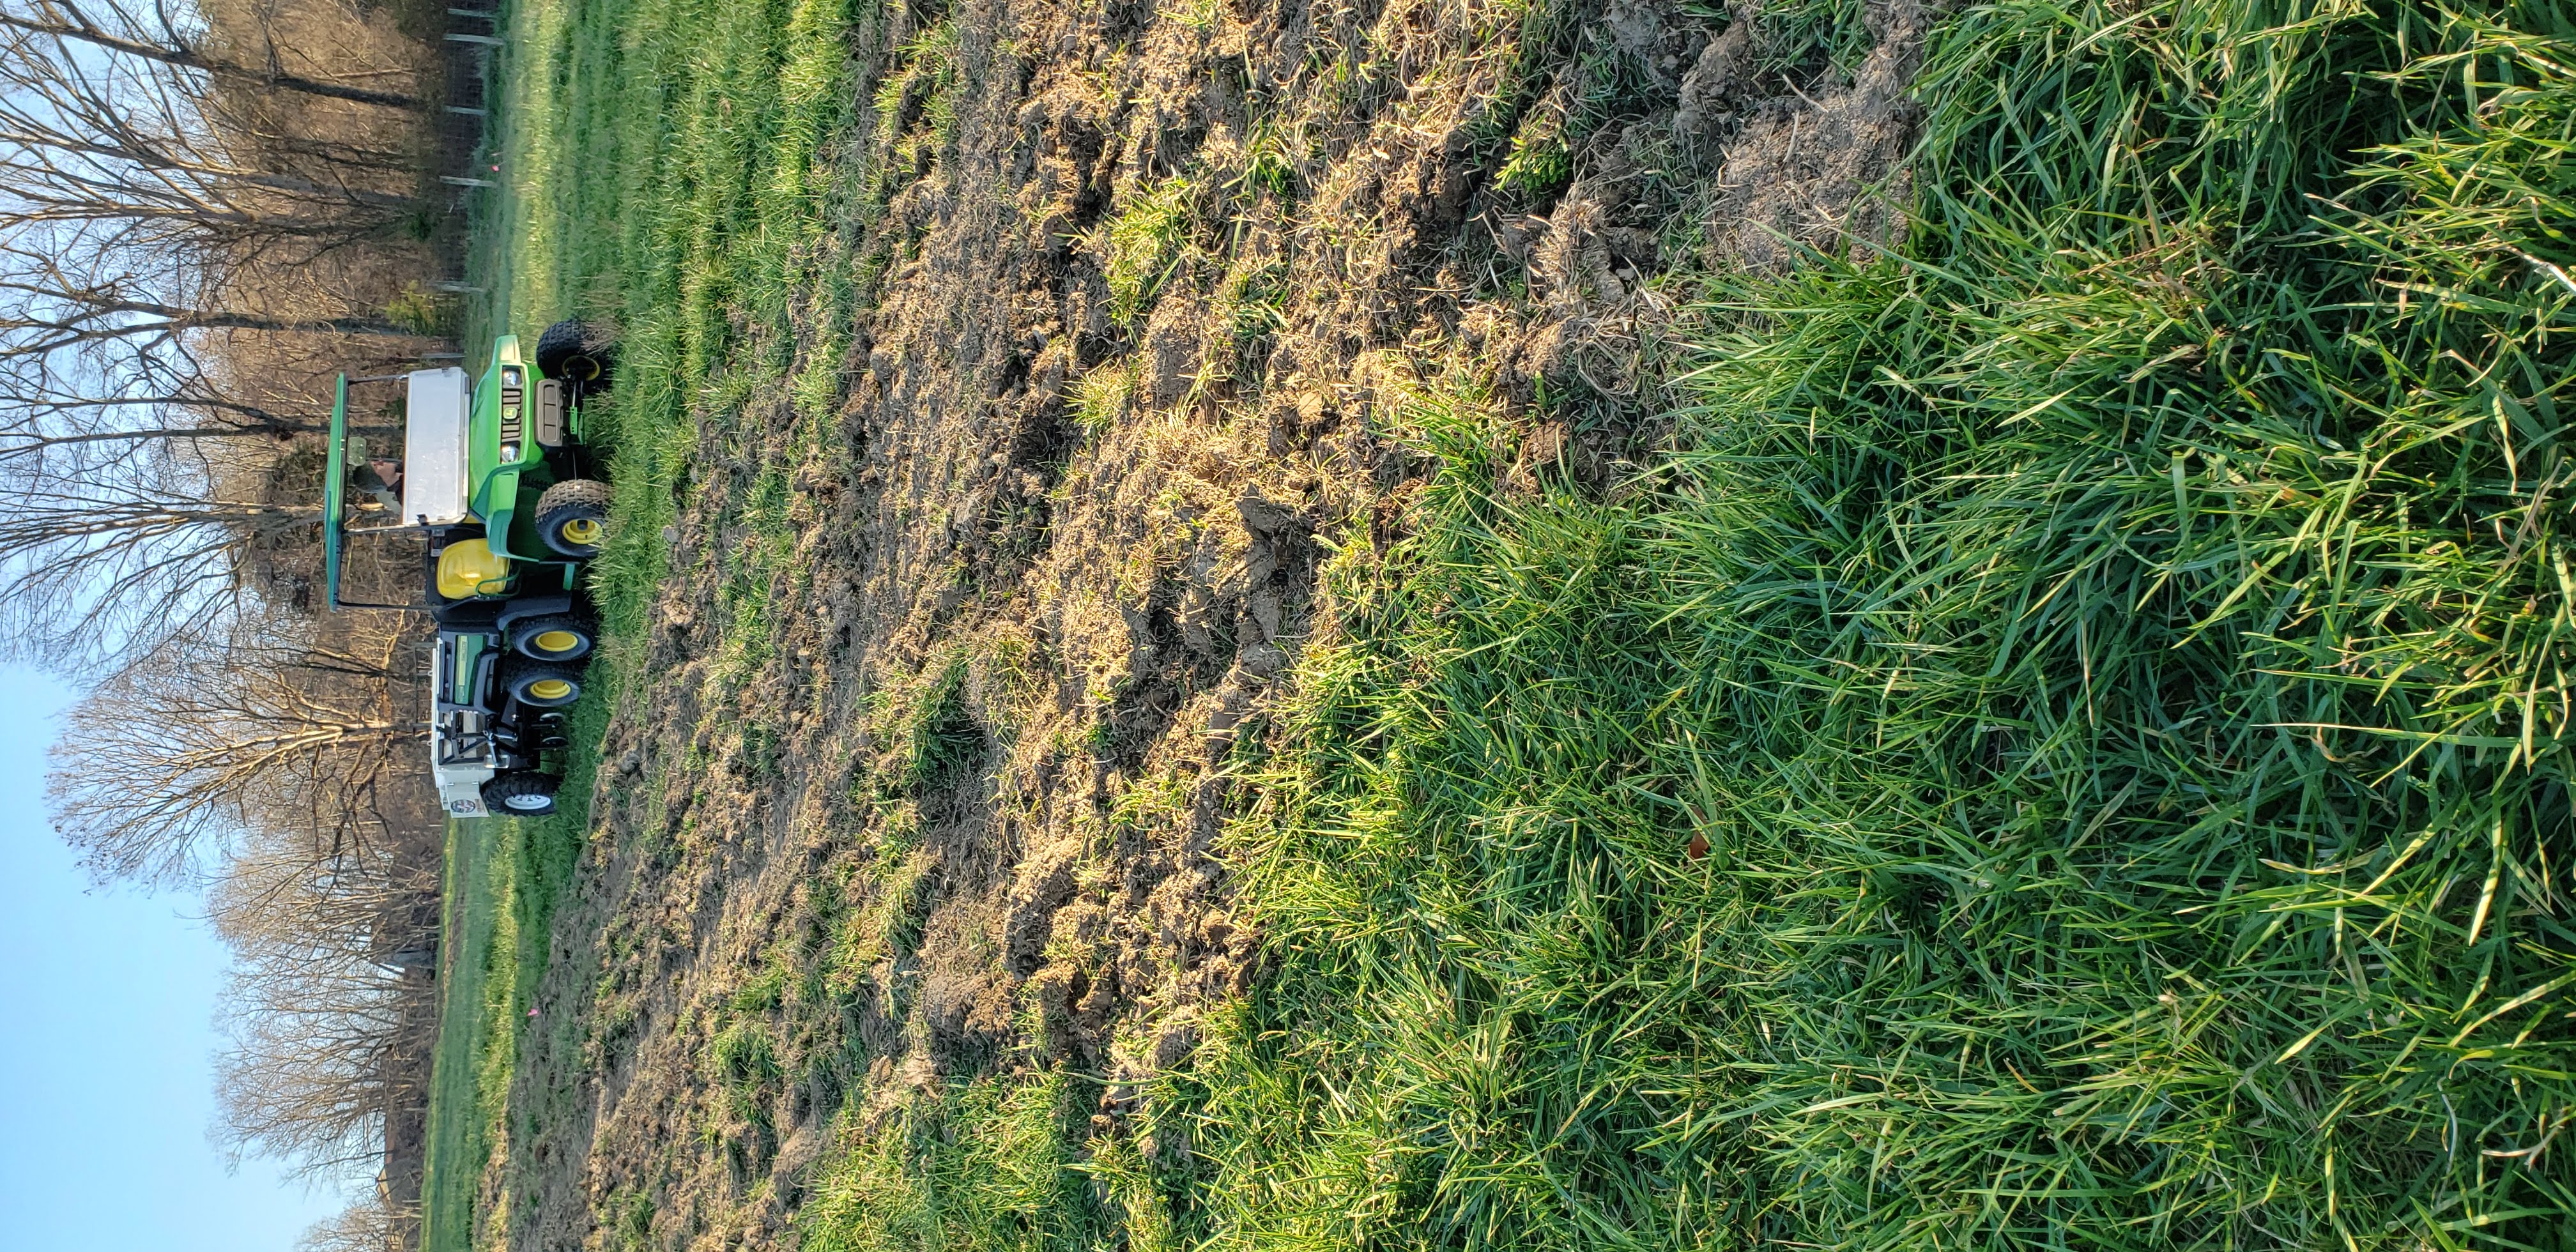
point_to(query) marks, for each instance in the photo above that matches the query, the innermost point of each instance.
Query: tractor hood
(434, 483)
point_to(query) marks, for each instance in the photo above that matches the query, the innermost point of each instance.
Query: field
(1548, 625)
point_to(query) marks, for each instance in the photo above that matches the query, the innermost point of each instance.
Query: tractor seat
(469, 568)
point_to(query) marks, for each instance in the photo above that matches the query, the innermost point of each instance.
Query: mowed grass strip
(459, 1127)
(2071, 752)
(504, 878)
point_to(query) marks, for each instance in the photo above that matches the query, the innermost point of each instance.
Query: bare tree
(53, 419)
(269, 390)
(52, 303)
(102, 560)
(84, 142)
(165, 763)
(325, 1040)
(161, 41)
(369, 1225)
(147, 225)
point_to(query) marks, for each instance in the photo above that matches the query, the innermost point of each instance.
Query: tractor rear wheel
(574, 352)
(552, 637)
(543, 684)
(520, 793)
(572, 517)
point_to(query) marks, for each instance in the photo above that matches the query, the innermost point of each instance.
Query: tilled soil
(944, 797)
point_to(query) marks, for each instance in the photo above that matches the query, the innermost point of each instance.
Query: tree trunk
(184, 57)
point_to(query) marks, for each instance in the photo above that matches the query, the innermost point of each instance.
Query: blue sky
(107, 1046)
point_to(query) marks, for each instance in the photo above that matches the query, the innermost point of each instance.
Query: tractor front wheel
(544, 684)
(572, 517)
(520, 793)
(552, 637)
(572, 351)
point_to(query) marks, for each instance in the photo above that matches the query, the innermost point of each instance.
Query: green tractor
(497, 481)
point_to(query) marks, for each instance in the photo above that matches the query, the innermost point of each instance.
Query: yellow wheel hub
(550, 689)
(580, 530)
(557, 642)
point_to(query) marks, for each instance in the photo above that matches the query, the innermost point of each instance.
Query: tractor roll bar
(335, 476)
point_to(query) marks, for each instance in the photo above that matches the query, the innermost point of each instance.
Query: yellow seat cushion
(470, 568)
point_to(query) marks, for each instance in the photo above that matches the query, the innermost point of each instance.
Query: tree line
(206, 212)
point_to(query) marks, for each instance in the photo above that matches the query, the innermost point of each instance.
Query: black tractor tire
(572, 350)
(520, 793)
(542, 684)
(558, 637)
(572, 517)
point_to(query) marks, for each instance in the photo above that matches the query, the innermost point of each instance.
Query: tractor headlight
(509, 453)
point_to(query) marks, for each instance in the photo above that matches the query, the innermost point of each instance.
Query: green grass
(503, 879)
(2072, 751)
(988, 1164)
(1144, 243)
(2067, 751)
(620, 162)
(458, 1129)
(668, 180)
